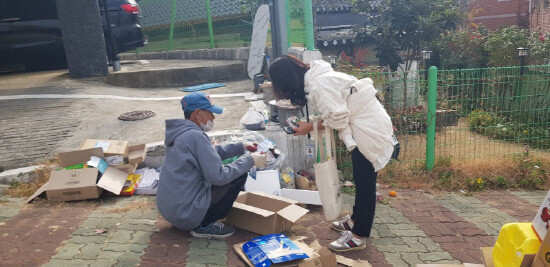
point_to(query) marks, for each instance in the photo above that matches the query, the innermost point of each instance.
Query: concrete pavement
(33, 130)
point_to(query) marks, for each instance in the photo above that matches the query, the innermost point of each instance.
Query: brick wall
(540, 17)
(497, 13)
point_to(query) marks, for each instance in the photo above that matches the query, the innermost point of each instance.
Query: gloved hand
(249, 146)
(259, 159)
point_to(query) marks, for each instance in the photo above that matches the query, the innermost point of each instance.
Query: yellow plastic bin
(513, 242)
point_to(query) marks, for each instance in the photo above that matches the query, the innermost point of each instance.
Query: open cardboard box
(113, 148)
(263, 213)
(79, 184)
(268, 182)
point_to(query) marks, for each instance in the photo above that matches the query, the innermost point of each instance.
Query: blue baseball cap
(198, 100)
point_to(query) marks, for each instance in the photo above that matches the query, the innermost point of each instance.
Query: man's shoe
(347, 242)
(213, 230)
(343, 225)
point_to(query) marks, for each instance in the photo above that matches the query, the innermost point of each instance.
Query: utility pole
(279, 38)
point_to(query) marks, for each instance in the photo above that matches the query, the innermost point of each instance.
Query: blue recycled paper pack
(274, 248)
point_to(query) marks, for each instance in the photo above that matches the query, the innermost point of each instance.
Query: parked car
(30, 33)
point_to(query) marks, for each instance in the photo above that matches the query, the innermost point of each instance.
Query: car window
(27, 10)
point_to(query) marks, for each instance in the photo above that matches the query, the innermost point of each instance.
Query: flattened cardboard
(258, 212)
(137, 153)
(488, 256)
(113, 180)
(451, 265)
(110, 147)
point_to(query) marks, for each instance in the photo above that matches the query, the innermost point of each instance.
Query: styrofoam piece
(266, 181)
(302, 196)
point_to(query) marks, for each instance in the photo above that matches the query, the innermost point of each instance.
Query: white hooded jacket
(350, 106)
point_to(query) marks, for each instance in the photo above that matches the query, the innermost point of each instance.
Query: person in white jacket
(350, 106)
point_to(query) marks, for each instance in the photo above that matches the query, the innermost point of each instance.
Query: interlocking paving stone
(32, 236)
(167, 246)
(482, 215)
(515, 206)
(207, 251)
(401, 241)
(453, 233)
(535, 197)
(10, 207)
(121, 244)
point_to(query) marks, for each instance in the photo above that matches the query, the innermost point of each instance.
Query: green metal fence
(479, 113)
(180, 25)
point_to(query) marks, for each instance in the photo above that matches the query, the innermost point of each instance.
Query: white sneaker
(347, 242)
(343, 225)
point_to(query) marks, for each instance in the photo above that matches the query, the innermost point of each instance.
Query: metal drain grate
(136, 115)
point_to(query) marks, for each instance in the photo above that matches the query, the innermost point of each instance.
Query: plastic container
(513, 242)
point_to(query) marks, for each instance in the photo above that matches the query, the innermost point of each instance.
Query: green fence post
(308, 24)
(172, 19)
(432, 100)
(210, 30)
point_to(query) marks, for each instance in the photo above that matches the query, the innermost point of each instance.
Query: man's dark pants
(222, 199)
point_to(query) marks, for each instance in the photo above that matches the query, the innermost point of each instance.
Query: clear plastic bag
(253, 120)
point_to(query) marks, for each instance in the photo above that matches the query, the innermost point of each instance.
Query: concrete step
(169, 73)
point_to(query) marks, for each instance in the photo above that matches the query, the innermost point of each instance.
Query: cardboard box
(268, 182)
(542, 258)
(79, 184)
(110, 147)
(136, 154)
(129, 168)
(263, 213)
(542, 219)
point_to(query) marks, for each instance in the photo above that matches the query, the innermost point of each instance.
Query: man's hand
(259, 159)
(249, 146)
(303, 128)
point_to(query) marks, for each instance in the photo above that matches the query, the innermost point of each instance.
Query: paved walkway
(413, 228)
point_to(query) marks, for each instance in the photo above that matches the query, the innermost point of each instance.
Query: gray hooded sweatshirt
(191, 167)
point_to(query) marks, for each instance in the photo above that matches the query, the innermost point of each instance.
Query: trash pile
(277, 178)
(99, 165)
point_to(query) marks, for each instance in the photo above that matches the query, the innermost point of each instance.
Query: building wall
(540, 17)
(499, 13)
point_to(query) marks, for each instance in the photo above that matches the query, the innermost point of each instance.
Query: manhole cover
(136, 115)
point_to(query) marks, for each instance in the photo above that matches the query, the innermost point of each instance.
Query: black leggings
(222, 199)
(364, 177)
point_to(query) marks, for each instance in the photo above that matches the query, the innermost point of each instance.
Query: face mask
(209, 125)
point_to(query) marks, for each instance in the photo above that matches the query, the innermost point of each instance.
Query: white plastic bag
(326, 174)
(253, 120)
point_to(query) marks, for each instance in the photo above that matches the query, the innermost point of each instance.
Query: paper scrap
(103, 145)
(115, 160)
